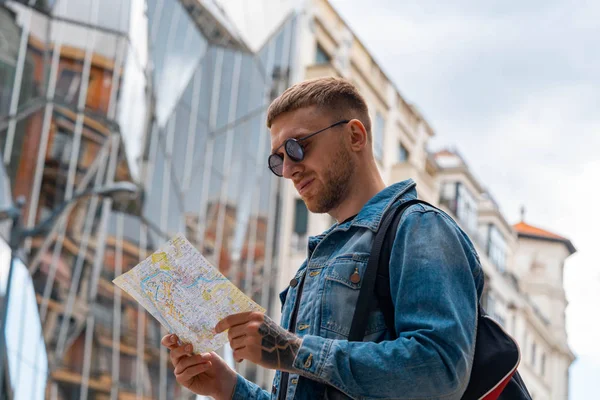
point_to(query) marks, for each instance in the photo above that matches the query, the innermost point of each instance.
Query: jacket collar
(370, 215)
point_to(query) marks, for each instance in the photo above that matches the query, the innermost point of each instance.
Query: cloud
(437, 54)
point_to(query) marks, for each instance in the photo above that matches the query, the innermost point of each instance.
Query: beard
(336, 181)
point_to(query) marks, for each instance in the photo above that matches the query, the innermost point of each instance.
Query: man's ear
(358, 135)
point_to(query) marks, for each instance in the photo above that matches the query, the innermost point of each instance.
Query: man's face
(323, 177)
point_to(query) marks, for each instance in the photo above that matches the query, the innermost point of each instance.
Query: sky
(515, 87)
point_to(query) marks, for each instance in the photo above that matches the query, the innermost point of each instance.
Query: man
(321, 140)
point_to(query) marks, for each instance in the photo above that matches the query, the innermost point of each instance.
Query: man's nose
(290, 167)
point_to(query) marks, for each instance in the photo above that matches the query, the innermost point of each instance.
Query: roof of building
(451, 160)
(454, 154)
(529, 231)
(444, 152)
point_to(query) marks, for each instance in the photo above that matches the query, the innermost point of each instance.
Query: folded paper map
(185, 293)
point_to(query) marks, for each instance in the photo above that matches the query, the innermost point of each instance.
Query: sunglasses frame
(297, 141)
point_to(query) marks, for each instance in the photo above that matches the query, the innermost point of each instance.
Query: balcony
(450, 205)
(100, 383)
(426, 184)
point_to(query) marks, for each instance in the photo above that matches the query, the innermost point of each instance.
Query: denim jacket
(436, 281)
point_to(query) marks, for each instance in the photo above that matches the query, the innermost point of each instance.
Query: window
(45, 5)
(153, 336)
(300, 226)
(496, 248)
(61, 147)
(489, 302)
(466, 208)
(67, 87)
(378, 137)
(514, 325)
(321, 56)
(403, 153)
(448, 196)
(127, 370)
(491, 307)
(533, 348)
(543, 365)
(7, 73)
(461, 203)
(103, 314)
(301, 221)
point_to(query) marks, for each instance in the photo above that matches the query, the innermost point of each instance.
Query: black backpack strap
(382, 284)
(378, 272)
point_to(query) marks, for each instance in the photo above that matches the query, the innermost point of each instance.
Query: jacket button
(308, 362)
(294, 282)
(355, 277)
(294, 381)
(274, 389)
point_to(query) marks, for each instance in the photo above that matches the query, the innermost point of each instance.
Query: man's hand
(255, 337)
(204, 374)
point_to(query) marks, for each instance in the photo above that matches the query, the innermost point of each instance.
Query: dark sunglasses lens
(276, 164)
(294, 150)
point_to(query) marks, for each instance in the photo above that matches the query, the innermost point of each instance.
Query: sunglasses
(294, 149)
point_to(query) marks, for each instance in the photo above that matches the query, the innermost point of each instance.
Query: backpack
(494, 373)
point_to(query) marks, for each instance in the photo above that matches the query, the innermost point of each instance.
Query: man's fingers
(186, 362)
(233, 320)
(192, 371)
(180, 351)
(240, 355)
(238, 343)
(237, 331)
(169, 341)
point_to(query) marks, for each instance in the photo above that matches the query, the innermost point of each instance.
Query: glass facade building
(162, 93)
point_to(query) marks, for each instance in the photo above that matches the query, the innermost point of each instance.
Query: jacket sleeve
(432, 270)
(246, 390)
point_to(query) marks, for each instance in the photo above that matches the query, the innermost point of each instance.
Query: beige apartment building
(523, 267)
(523, 264)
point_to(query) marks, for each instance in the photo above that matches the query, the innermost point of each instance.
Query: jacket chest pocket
(343, 280)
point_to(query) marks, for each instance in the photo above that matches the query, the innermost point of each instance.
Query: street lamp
(18, 234)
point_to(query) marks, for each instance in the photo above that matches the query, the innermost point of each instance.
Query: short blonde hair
(335, 95)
